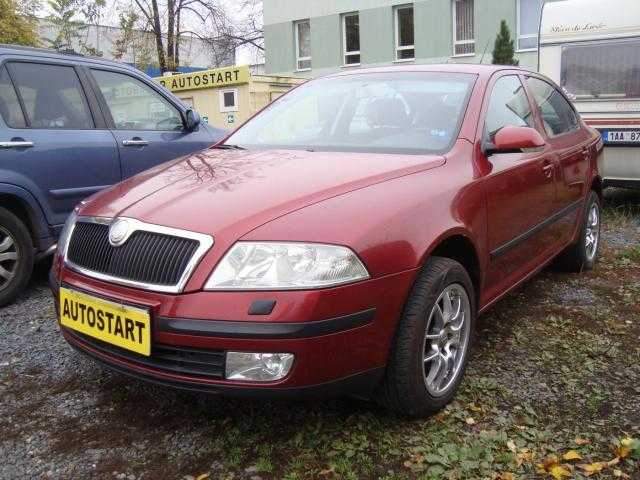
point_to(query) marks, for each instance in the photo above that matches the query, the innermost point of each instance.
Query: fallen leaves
(572, 455)
(553, 467)
(597, 467)
(625, 447)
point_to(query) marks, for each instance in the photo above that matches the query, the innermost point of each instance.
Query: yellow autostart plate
(120, 325)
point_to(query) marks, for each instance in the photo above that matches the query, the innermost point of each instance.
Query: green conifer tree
(503, 50)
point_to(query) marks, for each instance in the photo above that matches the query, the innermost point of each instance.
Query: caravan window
(605, 70)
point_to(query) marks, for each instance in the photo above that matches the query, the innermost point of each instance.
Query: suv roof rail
(67, 51)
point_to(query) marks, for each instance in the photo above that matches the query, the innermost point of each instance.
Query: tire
(16, 256)
(581, 256)
(405, 387)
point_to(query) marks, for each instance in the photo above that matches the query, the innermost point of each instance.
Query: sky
(244, 55)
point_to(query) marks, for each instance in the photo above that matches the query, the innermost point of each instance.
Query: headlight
(65, 234)
(285, 266)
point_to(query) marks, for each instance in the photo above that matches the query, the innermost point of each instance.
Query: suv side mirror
(192, 120)
(514, 139)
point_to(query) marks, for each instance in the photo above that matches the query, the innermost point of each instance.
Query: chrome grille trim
(205, 243)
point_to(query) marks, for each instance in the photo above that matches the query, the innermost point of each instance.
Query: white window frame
(526, 36)
(223, 108)
(299, 59)
(345, 53)
(396, 22)
(457, 42)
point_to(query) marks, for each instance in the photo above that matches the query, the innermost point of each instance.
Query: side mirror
(192, 120)
(514, 139)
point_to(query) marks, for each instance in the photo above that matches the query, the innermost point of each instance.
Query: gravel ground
(567, 365)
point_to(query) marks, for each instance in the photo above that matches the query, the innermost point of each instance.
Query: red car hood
(216, 190)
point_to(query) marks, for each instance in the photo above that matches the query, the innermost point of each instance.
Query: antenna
(485, 51)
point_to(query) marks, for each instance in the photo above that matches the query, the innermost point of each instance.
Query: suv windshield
(403, 112)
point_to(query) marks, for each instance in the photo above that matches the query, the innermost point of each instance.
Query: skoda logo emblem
(118, 232)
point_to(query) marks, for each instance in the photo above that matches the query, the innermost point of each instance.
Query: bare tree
(209, 20)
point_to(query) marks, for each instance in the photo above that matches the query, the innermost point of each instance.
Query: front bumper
(340, 336)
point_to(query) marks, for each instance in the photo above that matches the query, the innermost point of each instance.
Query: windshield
(603, 70)
(402, 112)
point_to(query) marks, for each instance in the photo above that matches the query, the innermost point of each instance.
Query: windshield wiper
(229, 146)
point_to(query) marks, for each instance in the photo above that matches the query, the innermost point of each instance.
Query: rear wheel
(431, 347)
(16, 256)
(583, 254)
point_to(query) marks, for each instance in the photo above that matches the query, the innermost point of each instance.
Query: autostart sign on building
(217, 77)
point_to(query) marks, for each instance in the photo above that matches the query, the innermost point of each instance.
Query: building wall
(433, 26)
(252, 96)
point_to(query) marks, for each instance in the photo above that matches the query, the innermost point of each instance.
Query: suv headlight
(285, 266)
(65, 234)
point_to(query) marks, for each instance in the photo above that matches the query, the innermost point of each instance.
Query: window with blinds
(351, 38)
(604, 70)
(528, 23)
(463, 33)
(303, 45)
(404, 31)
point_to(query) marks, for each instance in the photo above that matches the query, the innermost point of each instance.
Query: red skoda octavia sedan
(344, 240)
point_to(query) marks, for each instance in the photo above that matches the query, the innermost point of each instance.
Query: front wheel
(431, 347)
(16, 256)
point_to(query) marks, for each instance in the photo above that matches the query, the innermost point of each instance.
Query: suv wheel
(430, 351)
(16, 256)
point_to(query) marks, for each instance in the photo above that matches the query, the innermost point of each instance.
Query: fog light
(258, 367)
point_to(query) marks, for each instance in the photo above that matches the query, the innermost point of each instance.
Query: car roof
(472, 68)
(33, 52)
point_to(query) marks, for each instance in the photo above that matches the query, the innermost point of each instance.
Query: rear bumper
(621, 183)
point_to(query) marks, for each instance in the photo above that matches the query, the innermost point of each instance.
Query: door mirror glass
(514, 139)
(192, 120)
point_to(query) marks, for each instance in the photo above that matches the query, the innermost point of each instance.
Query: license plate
(621, 136)
(120, 325)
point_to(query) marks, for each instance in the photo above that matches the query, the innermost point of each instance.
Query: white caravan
(591, 48)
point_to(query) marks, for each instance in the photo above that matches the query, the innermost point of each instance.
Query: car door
(54, 145)
(147, 125)
(520, 189)
(572, 144)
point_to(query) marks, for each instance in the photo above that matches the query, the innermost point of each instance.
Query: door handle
(16, 144)
(547, 168)
(135, 143)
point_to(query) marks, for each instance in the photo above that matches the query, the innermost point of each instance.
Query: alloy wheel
(446, 339)
(592, 232)
(8, 258)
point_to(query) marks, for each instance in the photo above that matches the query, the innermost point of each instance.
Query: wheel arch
(19, 202)
(597, 186)
(458, 245)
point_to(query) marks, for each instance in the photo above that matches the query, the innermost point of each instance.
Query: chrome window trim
(205, 243)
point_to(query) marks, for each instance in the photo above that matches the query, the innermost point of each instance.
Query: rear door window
(558, 116)
(134, 105)
(509, 106)
(10, 109)
(52, 96)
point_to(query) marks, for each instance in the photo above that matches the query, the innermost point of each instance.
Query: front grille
(194, 362)
(146, 257)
